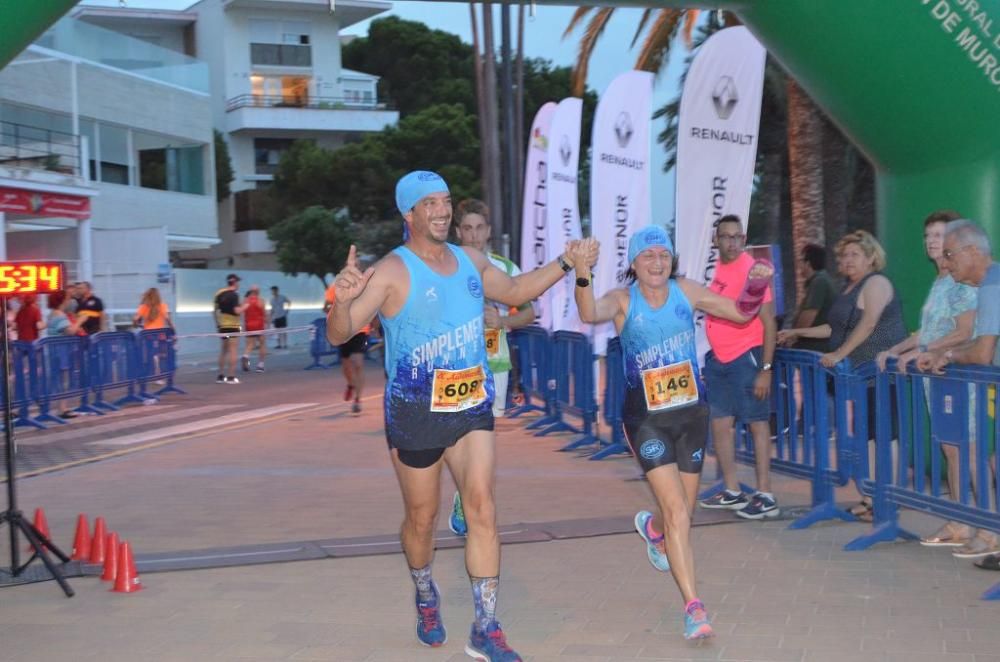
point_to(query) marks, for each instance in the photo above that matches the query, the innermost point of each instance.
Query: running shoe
(657, 557)
(430, 629)
(232, 380)
(245, 362)
(348, 393)
(696, 625)
(221, 379)
(260, 367)
(356, 407)
(726, 500)
(457, 520)
(490, 646)
(761, 506)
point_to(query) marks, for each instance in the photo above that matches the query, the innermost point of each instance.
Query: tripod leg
(49, 545)
(29, 533)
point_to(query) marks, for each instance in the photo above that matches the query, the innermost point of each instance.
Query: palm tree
(486, 102)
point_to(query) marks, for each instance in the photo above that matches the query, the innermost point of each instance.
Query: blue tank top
(660, 338)
(439, 327)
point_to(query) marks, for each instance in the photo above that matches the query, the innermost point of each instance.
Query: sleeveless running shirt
(658, 351)
(435, 361)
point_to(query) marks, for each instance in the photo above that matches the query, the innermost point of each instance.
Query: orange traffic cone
(42, 525)
(111, 558)
(127, 579)
(81, 541)
(97, 545)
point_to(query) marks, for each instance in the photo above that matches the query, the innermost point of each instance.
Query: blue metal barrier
(64, 364)
(113, 364)
(902, 481)
(320, 347)
(573, 385)
(156, 362)
(24, 371)
(614, 402)
(534, 356)
(802, 445)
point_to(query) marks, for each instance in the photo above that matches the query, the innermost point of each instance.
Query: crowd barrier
(83, 370)
(531, 347)
(573, 388)
(614, 403)
(955, 409)
(320, 347)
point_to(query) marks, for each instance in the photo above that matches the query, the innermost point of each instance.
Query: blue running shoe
(653, 551)
(430, 629)
(457, 520)
(761, 505)
(490, 646)
(696, 625)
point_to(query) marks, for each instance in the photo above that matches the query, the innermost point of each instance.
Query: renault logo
(725, 97)
(623, 129)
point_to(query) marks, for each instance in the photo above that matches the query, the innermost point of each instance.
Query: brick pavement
(775, 594)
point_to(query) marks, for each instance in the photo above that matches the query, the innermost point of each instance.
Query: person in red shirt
(28, 319)
(738, 377)
(254, 316)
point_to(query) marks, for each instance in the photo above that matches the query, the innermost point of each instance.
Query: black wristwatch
(563, 264)
(583, 282)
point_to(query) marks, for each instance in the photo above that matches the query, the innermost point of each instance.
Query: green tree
(223, 168)
(314, 241)
(418, 66)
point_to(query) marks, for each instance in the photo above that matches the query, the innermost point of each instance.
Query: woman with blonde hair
(152, 313)
(864, 320)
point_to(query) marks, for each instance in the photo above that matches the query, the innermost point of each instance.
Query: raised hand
(351, 282)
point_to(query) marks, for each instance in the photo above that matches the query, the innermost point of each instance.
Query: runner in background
(473, 227)
(254, 315)
(226, 303)
(280, 305)
(352, 357)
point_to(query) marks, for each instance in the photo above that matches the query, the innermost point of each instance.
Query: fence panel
(156, 362)
(64, 365)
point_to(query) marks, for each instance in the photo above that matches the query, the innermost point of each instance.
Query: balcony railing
(313, 103)
(25, 146)
(281, 55)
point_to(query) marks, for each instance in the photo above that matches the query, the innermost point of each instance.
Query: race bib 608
(458, 390)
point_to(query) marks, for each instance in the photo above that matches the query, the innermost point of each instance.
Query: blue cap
(416, 185)
(648, 237)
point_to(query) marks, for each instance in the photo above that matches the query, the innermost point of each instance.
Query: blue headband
(648, 237)
(414, 186)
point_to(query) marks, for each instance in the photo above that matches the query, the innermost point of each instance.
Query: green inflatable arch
(914, 83)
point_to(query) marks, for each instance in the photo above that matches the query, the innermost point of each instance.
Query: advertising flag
(620, 180)
(716, 148)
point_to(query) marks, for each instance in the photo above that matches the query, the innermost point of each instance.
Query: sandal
(945, 537)
(991, 562)
(862, 512)
(975, 548)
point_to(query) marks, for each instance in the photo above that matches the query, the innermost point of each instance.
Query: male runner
(472, 225)
(666, 423)
(439, 393)
(227, 321)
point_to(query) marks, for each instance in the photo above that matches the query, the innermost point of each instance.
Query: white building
(106, 158)
(276, 77)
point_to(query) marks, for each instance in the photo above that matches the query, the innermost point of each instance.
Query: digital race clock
(31, 277)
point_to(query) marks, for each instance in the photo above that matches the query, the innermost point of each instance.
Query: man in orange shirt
(352, 356)
(738, 378)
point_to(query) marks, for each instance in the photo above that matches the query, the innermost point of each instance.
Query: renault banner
(716, 147)
(620, 175)
(534, 238)
(563, 208)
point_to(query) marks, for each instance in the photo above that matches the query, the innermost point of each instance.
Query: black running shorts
(356, 345)
(675, 436)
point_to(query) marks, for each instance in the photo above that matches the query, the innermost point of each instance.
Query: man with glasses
(738, 378)
(969, 258)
